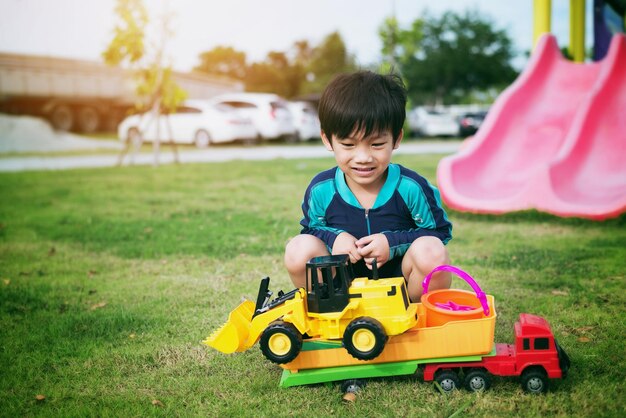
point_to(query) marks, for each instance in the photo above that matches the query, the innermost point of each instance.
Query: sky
(83, 28)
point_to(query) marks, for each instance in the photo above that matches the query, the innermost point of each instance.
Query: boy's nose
(362, 155)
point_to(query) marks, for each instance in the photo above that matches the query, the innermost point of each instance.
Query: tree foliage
(154, 81)
(300, 70)
(223, 61)
(446, 59)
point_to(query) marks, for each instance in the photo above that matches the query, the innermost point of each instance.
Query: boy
(367, 207)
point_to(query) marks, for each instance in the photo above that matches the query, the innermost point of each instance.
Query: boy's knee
(428, 252)
(301, 249)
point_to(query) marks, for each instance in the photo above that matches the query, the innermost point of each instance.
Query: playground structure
(453, 333)
(554, 141)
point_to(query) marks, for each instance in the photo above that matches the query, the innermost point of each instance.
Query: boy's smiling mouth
(364, 171)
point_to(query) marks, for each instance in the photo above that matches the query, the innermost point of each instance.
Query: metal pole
(541, 18)
(577, 29)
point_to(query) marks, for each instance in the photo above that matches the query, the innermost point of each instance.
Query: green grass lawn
(111, 278)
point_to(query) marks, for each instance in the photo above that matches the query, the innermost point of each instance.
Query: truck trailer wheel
(364, 338)
(62, 118)
(477, 380)
(88, 119)
(534, 381)
(280, 342)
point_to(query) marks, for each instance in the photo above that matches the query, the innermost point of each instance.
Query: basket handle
(463, 275)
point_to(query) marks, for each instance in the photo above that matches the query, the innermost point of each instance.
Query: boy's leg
(424, 254)
(300, 249)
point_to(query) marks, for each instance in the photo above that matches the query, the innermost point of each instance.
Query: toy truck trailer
(536, 357)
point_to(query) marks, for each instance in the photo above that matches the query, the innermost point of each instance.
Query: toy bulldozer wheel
(280, 342)
(364, 338)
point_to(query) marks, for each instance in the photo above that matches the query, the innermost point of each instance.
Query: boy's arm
(316, 200)
(424, 204)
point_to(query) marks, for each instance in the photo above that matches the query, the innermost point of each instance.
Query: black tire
(88, 119)
(364, 338)
(202, 139)
(477, 380)
(62, 118)
(534, 381)
(352, 385)
(280, 342)
(448, 380)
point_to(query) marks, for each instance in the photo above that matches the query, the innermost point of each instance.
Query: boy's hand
(374, 247)
(345, 243)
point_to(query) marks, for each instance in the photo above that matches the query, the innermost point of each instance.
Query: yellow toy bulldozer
(361, 312)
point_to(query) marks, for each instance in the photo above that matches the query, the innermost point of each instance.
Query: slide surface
(555, 141)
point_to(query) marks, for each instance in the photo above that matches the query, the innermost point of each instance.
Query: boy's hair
(363, 101)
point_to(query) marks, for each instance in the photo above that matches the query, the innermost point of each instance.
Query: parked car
(269, 113)
(305, 119)
(470, 122)
(430, 122)
(195, 122)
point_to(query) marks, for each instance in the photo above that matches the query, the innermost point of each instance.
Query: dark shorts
(392, 268)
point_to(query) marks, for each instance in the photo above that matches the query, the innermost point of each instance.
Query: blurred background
(86, 66)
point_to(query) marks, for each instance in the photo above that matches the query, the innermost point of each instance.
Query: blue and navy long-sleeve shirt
(407, 207)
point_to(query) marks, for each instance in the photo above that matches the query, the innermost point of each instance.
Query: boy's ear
(327, 142)
(397, 144)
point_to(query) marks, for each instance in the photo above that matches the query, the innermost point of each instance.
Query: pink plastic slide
(555, 141)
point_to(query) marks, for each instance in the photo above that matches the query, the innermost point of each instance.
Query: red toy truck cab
(536, 357)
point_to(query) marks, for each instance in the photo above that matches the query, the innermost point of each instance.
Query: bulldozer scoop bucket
(232, 336)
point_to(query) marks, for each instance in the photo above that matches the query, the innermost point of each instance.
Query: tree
(445, 59)
(223, 61)
(300, 70)
(328, 59)
(155, 86)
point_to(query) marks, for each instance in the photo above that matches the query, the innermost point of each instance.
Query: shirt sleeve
(423, 202)
(317, 198)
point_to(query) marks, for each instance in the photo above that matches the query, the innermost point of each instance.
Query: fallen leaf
(91, 273)
(40, 397)
(584, 329)
(131, 336)
(557, 292)
(6, 282)
(98, 305)
(584, 340)
(349, 397)
(157, 402)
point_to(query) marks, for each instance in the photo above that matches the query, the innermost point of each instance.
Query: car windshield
(239, 105)
(278, 105)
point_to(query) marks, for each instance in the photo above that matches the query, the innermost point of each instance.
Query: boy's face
(364, 161)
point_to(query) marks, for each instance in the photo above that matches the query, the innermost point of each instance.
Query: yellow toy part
(231, 336)
(360, 312)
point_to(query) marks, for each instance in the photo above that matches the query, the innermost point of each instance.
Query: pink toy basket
(445, 305)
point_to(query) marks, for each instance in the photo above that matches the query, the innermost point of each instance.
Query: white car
(195, 122)
(305, 119)
(268, 112)
(430, 122)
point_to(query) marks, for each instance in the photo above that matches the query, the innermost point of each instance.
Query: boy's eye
(378, 144)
